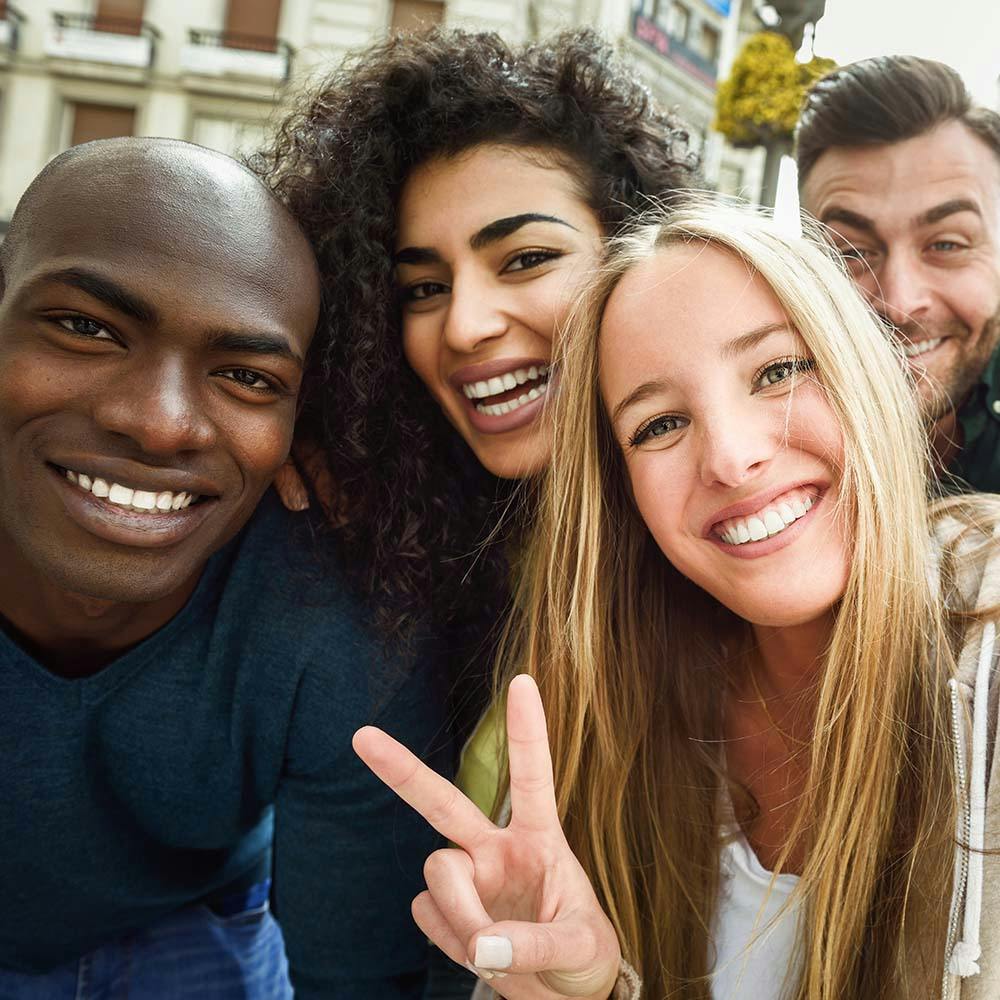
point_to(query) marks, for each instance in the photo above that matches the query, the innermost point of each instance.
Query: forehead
(685, 293)
(460, 194)
(897, 182)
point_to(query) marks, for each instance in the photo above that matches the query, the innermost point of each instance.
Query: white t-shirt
(755, 958)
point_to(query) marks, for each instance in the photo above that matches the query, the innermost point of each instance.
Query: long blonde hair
(627, 655)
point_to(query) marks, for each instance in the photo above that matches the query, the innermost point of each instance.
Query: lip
(488, 369)
(131, 528)
(755, 550)
(137, 476)
(759, 502)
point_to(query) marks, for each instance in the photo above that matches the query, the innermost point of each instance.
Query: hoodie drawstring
(964, 960)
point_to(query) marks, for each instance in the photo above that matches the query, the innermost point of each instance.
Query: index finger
(532, 791)
(434, 797)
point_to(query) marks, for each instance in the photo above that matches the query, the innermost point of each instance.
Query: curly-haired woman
(455, 189)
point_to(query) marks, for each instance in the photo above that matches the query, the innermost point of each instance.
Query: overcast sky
(963, 33)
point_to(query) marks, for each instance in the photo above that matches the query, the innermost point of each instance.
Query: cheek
(420, 349)
(660, 498)
(260, 443)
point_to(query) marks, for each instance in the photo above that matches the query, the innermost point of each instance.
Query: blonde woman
(764, 657)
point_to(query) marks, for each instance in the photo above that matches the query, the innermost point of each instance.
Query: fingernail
(494, 953)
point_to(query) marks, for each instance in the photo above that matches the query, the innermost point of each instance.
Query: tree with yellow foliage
(758, 105)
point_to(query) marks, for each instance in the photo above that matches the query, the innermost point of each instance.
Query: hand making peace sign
(508, 899)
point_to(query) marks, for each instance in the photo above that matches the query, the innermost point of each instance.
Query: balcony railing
(650, 33)
(122, 41)
(227, 53)
(10, 29)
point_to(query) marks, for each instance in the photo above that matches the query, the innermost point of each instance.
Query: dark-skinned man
(905, 171)
(179, 674)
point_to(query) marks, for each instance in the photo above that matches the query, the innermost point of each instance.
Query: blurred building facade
(219, 72)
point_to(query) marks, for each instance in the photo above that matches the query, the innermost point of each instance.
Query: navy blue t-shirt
(170, 774)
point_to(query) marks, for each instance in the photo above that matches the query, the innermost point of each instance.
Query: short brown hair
(886, 99)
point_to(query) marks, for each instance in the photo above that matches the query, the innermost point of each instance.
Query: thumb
(570, 957)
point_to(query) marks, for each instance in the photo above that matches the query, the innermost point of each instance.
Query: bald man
(179, 680)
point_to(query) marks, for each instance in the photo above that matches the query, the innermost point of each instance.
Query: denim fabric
(232, 950)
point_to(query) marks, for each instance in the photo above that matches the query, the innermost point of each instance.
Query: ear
(290, 486)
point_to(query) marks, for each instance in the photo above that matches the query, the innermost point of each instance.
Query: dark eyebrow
(105, 290)
(850, 218)
(253, 343)
(738, 345)
(501, 228)
(942, 211)
(417, 255)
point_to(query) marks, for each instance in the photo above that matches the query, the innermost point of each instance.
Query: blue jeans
(231, 951)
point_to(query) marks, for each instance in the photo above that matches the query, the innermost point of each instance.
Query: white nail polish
(494, 953)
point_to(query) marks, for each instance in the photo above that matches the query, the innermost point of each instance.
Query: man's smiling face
(919, 223)
(154, 322)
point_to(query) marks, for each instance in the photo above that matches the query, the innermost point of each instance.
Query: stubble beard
(941, 393)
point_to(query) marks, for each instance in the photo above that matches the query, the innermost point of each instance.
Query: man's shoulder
(287, 600)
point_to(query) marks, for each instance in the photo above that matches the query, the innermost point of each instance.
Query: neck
(73, 634)
(945, 440)
(788, 657)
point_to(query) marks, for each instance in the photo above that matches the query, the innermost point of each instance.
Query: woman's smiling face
(494, 246)
(732, 449)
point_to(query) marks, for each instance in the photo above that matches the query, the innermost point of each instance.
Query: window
(415, 15)
(252, 24)
(99, 121)
(234, 136)
(121, 17)
(731, 180)
(678, 20)
(708, 43)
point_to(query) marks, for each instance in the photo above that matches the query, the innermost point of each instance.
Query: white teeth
(124, 496)
(121, 495)
(504, 383)
(767, 522)
(144, 500)
(773, 522)
(499, 409)
(921, 347)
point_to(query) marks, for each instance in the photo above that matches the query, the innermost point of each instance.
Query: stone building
(216, 71)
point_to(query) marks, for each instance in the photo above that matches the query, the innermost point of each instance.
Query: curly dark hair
(422, 527)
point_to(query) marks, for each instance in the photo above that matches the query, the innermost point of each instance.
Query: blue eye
(658, 427)
(780, 371)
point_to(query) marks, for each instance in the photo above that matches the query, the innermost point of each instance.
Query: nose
(160, 408)
(736, 445)
(901, 293)
(475, 314)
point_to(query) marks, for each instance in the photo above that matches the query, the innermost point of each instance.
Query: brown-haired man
(905, 171)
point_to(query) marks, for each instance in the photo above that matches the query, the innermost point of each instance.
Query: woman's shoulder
(965, 552)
